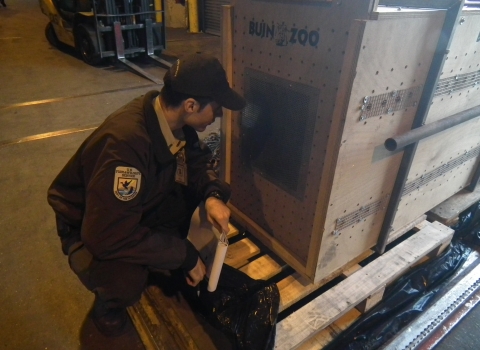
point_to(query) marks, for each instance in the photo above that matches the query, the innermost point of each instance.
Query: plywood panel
(446, 162)
(303, 44)
(459, 85)
(362, 183)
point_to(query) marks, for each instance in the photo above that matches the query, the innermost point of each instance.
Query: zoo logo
(282, 35)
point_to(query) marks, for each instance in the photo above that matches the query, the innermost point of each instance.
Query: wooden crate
(327, 83)
(161, 325)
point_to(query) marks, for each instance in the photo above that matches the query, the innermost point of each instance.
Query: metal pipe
(415, 135)
(451, 19)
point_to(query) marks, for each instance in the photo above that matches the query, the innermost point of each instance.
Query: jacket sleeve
(111, 226)
(202, 179)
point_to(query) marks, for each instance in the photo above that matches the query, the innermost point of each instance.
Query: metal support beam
(424, 131)
(451, 19)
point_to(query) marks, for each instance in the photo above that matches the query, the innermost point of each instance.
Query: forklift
(99, 29)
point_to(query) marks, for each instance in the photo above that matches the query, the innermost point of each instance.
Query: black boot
(3, 3)
(110, 322)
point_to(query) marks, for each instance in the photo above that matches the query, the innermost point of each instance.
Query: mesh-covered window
(277, 129)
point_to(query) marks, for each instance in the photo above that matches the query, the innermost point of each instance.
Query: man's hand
(196, 275)
(218, 213)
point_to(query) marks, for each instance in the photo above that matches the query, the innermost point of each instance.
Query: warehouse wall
(175, 14)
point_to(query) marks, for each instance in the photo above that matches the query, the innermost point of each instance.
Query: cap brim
(230, 99)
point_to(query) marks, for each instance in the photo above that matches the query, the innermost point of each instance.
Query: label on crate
(284, 35)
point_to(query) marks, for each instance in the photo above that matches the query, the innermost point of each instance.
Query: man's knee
(120, 281)
(112, 280)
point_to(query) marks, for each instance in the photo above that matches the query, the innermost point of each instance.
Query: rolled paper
(218, 260)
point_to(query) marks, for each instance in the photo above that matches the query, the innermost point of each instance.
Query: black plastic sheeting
(467, 229)
(244, 309)
(413, 292)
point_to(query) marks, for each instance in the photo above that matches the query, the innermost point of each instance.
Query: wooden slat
(232, 232)
(171, 320)
(371, 301)
(295, 286)
(447, 212)
(158, 323)
(142, 328)
(351, 270)
(239, 253)
(337, 301)
(399, 232)
(325, 336)
(262, 268)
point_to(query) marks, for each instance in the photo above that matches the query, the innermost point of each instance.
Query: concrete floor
(44, 90)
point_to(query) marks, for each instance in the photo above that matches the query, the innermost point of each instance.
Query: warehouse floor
(49, 102)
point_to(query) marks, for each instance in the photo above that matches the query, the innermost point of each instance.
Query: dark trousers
(115, 283)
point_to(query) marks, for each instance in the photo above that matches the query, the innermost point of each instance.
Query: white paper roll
(218, 260)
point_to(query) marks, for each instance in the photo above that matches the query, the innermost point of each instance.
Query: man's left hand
(217, 213)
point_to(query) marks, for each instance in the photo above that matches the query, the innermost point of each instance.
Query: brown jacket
(149, 229)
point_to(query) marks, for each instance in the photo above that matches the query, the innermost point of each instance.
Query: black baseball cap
(203, 76)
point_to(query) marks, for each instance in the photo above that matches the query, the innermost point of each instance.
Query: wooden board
(337, 301)
(326, 335)
(447, 212)
(158, 324)
(263, 268)
(399, 232)
(295, 287)
(239, 253)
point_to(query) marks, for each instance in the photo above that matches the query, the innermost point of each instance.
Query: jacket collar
(160, 147)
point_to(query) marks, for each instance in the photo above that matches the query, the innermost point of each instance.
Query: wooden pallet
(318, 322)
(447, 212)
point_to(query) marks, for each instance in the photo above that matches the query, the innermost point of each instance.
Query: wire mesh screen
(277, 129)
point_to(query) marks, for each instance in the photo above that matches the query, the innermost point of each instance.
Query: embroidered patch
(126, 184)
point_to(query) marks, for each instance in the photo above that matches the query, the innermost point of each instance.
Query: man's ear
(190, 105)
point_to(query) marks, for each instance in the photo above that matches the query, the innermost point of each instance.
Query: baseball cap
(203, 76)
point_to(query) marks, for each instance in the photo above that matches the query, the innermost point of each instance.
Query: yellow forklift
(99, 29)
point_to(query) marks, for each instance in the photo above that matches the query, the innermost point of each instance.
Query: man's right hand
(196, 275)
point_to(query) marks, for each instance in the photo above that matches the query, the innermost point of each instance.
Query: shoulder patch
(126, 183)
